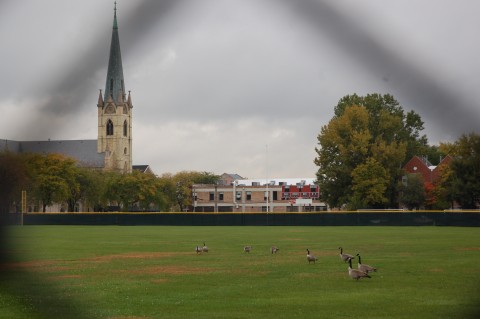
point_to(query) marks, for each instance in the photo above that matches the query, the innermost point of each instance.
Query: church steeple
(115, 83)
(115, 113)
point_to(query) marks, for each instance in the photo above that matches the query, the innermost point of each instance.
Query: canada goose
(247, 249)
(355, 273)
(345, 257)
(363, 267)
(198, 250)
(205, 248)
(311, 257)
(274, 249)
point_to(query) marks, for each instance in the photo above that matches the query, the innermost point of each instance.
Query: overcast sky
(236, 86)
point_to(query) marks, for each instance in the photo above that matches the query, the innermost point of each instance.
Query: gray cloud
(214, 82)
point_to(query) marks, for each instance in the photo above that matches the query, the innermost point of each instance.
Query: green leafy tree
(165, 199)
(364, 128)
(412, 193)
(464, 181)
(442, 192)
(369, 182)
(139, 191)
(183, 182)
(76, 187)
(109, 194)
(51, 176)
(13, 179)
(88, 187)
(344, 145)
(167, 189)
(177, 189)
(205, 178)
(149, 196)
(124, 189)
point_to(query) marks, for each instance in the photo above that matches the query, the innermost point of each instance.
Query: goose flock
(362, 270)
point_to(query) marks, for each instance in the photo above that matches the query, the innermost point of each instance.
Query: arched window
(125, 128)
(109, 127)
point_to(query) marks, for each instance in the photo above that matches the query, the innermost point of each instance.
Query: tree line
(360, 156)
(55, 179)
(363, 148)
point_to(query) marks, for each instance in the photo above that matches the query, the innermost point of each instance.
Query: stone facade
(115, 134)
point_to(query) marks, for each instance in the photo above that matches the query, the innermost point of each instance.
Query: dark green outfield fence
(364, 218)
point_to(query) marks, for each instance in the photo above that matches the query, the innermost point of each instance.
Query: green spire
(115, 26)
(115, 84)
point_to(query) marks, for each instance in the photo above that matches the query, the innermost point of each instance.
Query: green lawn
(154, 272)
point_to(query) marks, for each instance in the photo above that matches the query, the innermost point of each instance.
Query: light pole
(266, 174)
(216, 198)
(194, 194)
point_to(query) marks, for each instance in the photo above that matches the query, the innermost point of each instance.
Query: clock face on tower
(110, 109)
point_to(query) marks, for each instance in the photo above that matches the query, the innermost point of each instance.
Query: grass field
(154, 272)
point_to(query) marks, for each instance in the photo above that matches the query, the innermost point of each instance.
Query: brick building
(421, 165)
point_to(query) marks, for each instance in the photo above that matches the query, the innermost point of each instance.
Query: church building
(112, 150)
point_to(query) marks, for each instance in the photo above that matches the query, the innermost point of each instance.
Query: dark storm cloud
(432, 100)
(144, 17)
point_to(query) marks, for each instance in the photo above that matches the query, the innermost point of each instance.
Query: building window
(109, 127)
(249, 195)
(238, 196)
(220, 196)
(125, 128)
(125, 151)
(274, 195)
(212, 196)
(111, 87)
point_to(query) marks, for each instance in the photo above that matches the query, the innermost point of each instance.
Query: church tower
(115, 112)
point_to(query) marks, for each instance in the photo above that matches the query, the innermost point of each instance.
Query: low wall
(364, 218)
